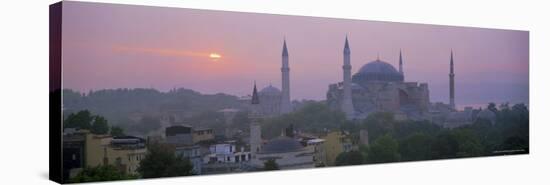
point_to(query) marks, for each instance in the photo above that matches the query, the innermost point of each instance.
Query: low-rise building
(287, 152)
(226, 157)
(203, 134)
(92, 150)
(193, 153)
(74, 158)
(336, 142)
(317, 147)
(187, 135)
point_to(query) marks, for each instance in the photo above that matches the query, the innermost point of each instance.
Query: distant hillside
(119, 104)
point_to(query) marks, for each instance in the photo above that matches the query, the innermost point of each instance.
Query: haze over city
(152, 92)
(113, 46)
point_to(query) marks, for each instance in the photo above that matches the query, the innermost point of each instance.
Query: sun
(214, 56)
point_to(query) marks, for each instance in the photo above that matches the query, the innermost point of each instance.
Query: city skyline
(217, 51)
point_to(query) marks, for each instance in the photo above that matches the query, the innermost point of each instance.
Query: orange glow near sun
(215, 56)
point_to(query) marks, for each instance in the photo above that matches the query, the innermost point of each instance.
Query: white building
(226, 153)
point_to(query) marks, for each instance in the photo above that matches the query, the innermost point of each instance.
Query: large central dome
(377, 70)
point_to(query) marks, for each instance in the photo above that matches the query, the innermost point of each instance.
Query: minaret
(452, 83)
(347, 104)
(285, 70)
(400, 63)
(255, 128)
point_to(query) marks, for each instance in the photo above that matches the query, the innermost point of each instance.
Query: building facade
(377, 86)
(336, 142)
(287, 152)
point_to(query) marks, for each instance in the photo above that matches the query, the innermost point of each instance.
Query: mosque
(274, 101)
(377, 86)
(286, 151)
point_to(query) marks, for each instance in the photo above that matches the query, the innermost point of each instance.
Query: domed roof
(377, 70)
(282, 144)
(270, 90)
(378, 66)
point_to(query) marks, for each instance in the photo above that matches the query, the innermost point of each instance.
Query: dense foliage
(160, 161)
(85, 120)
(117, 131)
(271, 165)
(101, 173)
(350, 158)
(422, 140)
(117, 105)
(314, 117)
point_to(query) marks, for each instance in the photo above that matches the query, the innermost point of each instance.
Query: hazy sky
(121, 46)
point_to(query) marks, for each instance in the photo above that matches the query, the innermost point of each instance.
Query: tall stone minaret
(255, 128)
(401, 64)
(452, 83)
(347, 103)
(285, 70)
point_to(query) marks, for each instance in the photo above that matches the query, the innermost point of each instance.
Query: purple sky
(121, 46)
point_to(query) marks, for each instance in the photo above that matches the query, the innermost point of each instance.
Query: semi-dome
(281, 144)
(377, 70)
(270, 90)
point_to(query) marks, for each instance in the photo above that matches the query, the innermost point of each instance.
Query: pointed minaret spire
(378, 56)
(346, 45)
(347, 103)
(400, 62)
(285, 51)
(452, 71)
(255, 98)
(401, 65)
(255, 128)
(452, 83)
(285, 106)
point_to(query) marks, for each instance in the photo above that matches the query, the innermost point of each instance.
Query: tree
(161, 161)
(459, 142)
(85, 120)
(349, 158)
(117, 131)
(384, 149)
(444, 146)
(515, 144)
(378, 124)
(101, 173)
(492, 107)
(313, 117)
(416, 147)
(404, 129)
(271, 164)
(468, 143)
(81, 120)
(100, 125)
